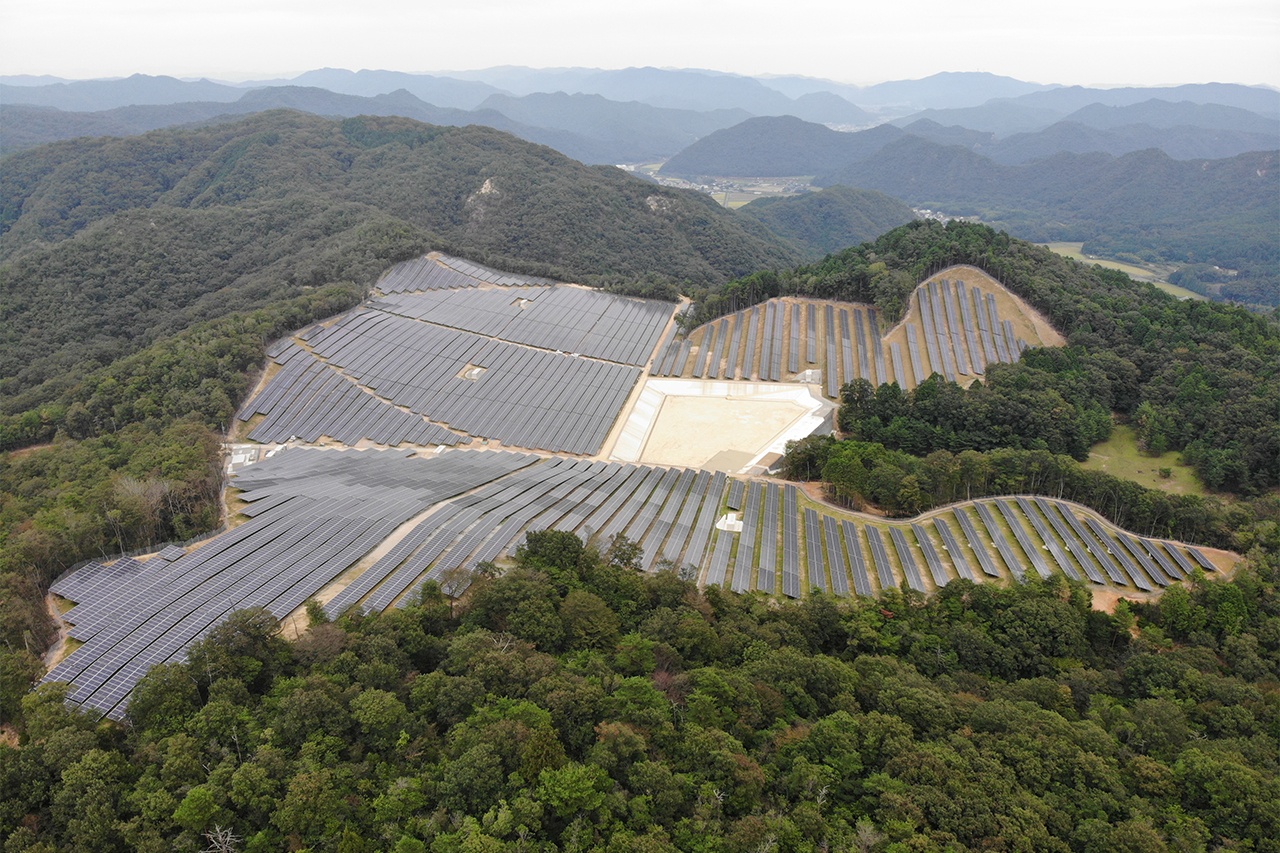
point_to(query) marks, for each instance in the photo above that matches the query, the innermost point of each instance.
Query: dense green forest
(1193, 376)
(827, 221)
(577, 704)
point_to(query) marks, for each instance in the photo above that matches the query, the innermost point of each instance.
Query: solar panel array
(454, 350)
(446, 272)
(962, 331)
(561, 318)
(315, 514)
(307, 400)
(520, 396)
(766, 342)
(1005, 538)
(954, 329)
(328, 509)
(422, 274)
(489, 275)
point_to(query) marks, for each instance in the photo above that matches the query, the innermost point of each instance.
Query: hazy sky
(1101, 42)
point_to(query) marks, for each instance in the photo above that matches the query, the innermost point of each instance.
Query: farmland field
(1154, 273)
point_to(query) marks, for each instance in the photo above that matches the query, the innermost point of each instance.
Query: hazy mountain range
(646, 114)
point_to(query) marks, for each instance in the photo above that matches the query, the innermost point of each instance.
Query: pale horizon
(248, 78)
(1099, 44)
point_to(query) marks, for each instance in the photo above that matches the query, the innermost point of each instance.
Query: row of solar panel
(1073, 546)
(314, 514)
(488, 274)
(336, 507)
(727, 348)
(670, 512)
(560, 318)
(660, 507)
(520, 396)
(962, 330)
(307, 400)
(447, 272)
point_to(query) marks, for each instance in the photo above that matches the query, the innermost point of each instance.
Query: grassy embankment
(1120, 457)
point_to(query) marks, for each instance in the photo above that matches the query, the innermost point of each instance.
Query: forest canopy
(575, 704)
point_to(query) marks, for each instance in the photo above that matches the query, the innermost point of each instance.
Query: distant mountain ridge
(585, 127)
(770, 146)
(1220, 211)
(636, 115)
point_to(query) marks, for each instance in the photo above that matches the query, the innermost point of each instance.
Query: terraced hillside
(448, 353)
(956, 323)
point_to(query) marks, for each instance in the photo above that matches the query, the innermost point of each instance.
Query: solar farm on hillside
(429, 430)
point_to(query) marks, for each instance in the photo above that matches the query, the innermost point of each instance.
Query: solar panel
(737, 491)
(705, 351)
(906, 559)
(835, 556)
(1052, 512)
(930, 332)
(1001, 544)
(765, 577)
(880, 557)
(954, 327)
(863, 353)
(746, 368)
(811, 334)
(1140, 555)
(793, 351)
(877, 348)
(997, 331)
(1045, 533)
(731, 370)
(830, 367)
(1024, 541)
(814, 560)
(977, 359)
(790, 544)
(653, 541)
(913, 348)
(766, 339)
(675, 544)
(846, 350)
(744, 561)
(1158, 554)
(721, 343)
(707, 516)
(1114, 549)
(1095, 548)
(931, 558)
(857, 563)
(976, 543)
(952, 546)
